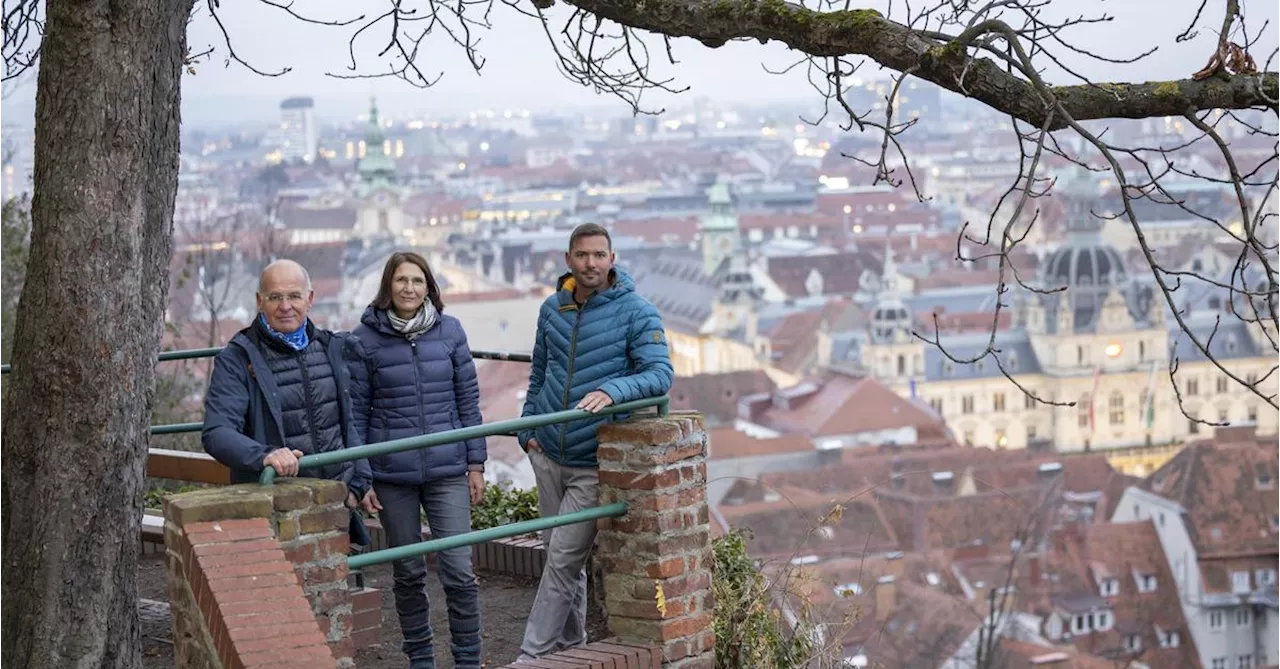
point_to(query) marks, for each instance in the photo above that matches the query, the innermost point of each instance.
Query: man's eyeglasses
(293, 298)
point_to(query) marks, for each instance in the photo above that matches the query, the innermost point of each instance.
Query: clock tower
(719, 228)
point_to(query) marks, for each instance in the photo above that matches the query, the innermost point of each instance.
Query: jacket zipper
(568, 382)
(422, 420)
(311, 405)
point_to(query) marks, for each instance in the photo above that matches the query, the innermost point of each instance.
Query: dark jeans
(448, 506)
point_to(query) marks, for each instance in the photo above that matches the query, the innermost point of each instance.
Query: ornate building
(1092, 343)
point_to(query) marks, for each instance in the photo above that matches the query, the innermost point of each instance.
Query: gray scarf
(421, 321)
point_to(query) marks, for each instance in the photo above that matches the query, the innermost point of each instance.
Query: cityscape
(1035, 420)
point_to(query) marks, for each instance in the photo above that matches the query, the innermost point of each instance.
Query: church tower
(378, 210)
(719, 228)
(893, 354)
(376, 167)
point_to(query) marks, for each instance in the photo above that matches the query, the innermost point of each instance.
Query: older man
(279, 391)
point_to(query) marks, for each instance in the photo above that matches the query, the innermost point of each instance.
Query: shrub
(749, 629)
(502, 505)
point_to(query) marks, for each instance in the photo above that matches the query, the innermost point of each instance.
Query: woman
(413, 375)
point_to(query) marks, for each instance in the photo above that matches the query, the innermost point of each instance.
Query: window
(1133, 643)
(997, 402)
(1216, 620)
(1251, 378)
(1146, 582)
(1115, 408)
(1079, 355)
(1193, 423)
(1265, 577)
(1103, 622)
(1142, 351)
(1169, 639)
(1109, 587)
(948, 368)
(1028, 402)
(902, 365)
(1244, 662)
(1244, 616)
(1221, 385)
(1222, 415)
(1240, 582)
(966, 404)
(1080, 625)
(1012, 363)
(1193, 387)
(1082, 411)
(1002, 441)
(1252, 414)
(936, 403)
(1219, 663)
(1031, 432)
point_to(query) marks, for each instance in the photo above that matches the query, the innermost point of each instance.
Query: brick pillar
(297, 555)
(657, 559)
(312, 524)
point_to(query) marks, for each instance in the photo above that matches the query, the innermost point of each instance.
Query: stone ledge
(607, 654)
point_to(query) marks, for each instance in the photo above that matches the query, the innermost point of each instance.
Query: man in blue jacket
(279, 390)
(598, 343)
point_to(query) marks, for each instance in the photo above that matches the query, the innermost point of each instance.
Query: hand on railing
(283, 460)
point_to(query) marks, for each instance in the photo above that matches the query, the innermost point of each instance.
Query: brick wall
(241, 558)
(657, 558)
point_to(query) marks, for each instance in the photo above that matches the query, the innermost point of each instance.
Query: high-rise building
(298, 129)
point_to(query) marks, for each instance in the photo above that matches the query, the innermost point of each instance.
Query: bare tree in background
(993, 52)
(106, 164)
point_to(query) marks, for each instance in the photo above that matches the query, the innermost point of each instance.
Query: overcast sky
(520, 70)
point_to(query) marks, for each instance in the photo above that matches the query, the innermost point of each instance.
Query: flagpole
(1149, 411)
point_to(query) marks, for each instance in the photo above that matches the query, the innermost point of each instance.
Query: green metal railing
(478, 536)
(511, 426)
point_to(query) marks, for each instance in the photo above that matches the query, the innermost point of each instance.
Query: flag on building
(1149, 411)
(912, 384)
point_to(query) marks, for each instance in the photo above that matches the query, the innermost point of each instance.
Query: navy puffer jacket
(402, 389)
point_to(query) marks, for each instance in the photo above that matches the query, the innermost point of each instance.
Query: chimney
(886, 598)
(975, 550)
(1033, 569)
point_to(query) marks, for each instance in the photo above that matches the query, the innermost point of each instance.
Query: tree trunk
(89, 325)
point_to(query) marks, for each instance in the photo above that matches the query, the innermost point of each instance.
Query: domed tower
(1098, 315)
(891, 320)
(892, 352)
(1088, 267)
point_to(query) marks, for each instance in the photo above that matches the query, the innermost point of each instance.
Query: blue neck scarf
(297, 340)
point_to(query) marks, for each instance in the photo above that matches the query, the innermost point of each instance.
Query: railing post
(657, 558)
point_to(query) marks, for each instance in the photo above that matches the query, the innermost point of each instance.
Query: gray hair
(284, 262)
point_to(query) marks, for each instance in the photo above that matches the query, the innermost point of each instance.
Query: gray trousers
(447, 503)
(558, 619)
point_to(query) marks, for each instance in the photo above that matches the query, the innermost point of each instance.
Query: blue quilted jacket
(614, 343)
(406, 389)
